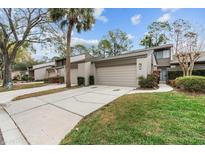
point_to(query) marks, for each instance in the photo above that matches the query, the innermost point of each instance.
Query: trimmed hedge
(91, 80)
(150, 82)
(172, 75)
(191, 83)
(59, 79)
(81, 81)
(26, 77)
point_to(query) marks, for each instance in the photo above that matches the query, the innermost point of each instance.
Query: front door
(163, 75)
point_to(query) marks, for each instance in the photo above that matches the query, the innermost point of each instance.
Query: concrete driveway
(47, 119)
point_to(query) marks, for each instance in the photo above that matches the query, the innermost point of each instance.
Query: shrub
(172, 83)
(150, 82)
(91, 80)
(191, 83)
(81, 81)
(16, 78)
(58, 79)
(157, 73)
(25, 77)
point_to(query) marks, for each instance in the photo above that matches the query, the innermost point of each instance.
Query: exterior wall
(143, 67)
(149, 63)
(118, 62)
(61, 71)
(74, 75)
(164, 62)
(52, 74)
(74, 72)
(84, 70)
(41, 73)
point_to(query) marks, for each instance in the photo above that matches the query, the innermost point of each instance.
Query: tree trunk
(68, 65)
(191, 68)
(7, 72)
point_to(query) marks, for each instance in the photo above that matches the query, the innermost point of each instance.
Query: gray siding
(163, 62)
(118, 62)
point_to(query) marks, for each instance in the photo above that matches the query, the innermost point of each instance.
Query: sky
(132, 21)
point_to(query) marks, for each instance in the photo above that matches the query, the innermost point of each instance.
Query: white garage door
(117, 75)
(74, 74)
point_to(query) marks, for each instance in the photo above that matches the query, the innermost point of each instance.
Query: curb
(10, 132)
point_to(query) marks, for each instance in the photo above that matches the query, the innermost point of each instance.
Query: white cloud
(164, 18)
(87, 43)
(98, 15)
(171, 10)
(136, 19)
(130, 36)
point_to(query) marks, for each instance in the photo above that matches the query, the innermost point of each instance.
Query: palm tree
(80, 19)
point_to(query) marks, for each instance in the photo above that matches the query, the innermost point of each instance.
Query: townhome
(121, 70)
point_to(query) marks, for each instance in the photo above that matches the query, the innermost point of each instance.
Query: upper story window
(162, 54)
(61, 62)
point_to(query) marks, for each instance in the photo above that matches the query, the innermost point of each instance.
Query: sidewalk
(9, 95)
(10, 133)
(162, 88)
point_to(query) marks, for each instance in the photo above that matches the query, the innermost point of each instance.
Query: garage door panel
(117, 75)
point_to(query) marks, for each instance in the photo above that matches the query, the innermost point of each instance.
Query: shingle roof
(134, 52)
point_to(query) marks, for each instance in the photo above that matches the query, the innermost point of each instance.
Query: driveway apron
(47, 119)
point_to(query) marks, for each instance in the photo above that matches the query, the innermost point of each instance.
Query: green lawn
(157, 118)
(23, 86)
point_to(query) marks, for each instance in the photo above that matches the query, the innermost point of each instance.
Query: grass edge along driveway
(154, 118)
(23, 86)
(42, 93)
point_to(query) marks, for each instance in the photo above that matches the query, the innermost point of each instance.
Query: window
(159, 54)
(162, 54)
(166, 54)
(140, 66)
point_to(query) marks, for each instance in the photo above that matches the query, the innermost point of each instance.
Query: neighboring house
(199, 64)
(122, 70)
(40, 71)
(16, 75)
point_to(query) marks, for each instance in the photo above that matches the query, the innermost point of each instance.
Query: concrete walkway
(6, 97)
(162, 88)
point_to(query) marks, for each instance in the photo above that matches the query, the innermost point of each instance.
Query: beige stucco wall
(84, 70)
(41, 73)
(52, 74)
(61, 71)
(145, 67)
